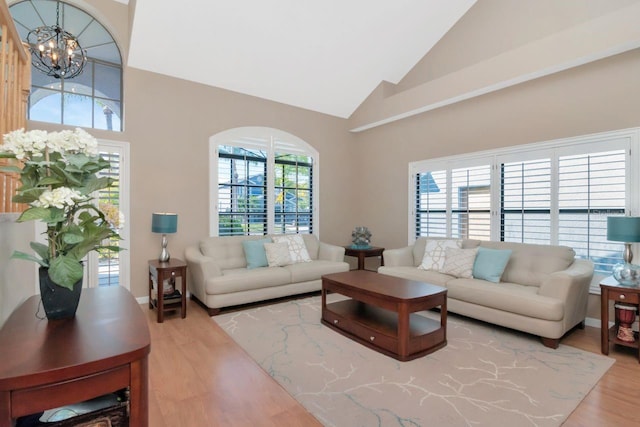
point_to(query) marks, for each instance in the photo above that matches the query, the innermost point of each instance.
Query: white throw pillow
(297, 249)
(277, 254)
(434, 253)
(459, 262)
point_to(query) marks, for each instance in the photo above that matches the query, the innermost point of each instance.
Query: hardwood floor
(200, 377)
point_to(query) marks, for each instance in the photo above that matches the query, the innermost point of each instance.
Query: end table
(363, 253)
(611, 290)
(161, 271)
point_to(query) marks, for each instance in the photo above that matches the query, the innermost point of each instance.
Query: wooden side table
(361, 254)
(51, 363)
(161, 271)
(611, 290)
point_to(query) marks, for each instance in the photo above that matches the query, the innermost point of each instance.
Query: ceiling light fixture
(55, 51)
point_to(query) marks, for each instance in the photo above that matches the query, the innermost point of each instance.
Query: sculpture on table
(361, 238)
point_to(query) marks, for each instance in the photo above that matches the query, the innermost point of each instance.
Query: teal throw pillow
(490, 264)
(254, 252)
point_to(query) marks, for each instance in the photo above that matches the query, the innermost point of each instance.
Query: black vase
(58, 301)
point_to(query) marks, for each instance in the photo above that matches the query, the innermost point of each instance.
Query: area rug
(485, 376)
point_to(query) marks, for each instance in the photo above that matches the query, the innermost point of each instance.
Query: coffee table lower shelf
(377, 329)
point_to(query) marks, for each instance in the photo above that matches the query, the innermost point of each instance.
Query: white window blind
(526, 202)
(431, 204)
(293, 202)
(591, 187)
(471, 202)
(242, 191)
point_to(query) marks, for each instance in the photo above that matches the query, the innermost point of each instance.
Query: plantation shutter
(591, 188)
(431, 204)
(471, 203)
(526, 202)
(293, 189)
(242, 191)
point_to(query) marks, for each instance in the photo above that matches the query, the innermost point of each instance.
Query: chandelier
(55, 51)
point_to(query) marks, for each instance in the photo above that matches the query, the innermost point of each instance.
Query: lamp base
(164, 255)
(627, 274)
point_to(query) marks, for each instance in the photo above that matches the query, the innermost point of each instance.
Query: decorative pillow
(434, 253)
(254, 252)
(277, 254)
(459, 262)
(490, 264)
(297, 249)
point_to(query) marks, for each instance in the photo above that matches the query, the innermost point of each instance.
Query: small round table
(362, 253)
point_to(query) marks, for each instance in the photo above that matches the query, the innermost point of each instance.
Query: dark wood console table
(47, 364)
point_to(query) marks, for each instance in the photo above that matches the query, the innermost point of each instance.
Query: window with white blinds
(264, 181)
(525, 189)
(591, 187)
(558, 192)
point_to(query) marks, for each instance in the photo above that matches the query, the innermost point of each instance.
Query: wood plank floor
(199, 377)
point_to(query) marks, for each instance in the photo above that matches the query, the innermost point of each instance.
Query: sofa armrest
(401, 257)
(572, 287)
(330, 252)
(200, 268)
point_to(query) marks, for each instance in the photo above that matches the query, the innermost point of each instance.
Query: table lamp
(164, 223)
(625, 229)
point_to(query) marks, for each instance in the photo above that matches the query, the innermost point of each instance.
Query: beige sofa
(219, 277)
(542, 291)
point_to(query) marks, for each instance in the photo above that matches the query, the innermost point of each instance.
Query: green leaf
(95, 184)
(65, 271)
(27, 257)
(27, 195)
(72, 239)
(32, 214)
(40, 249)
(50, 180)
(7, 155)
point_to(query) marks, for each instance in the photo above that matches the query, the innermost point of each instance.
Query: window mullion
(554, 205)
(271, 196)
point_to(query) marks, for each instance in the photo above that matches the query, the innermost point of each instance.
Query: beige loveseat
(543, 289)
(219, 277)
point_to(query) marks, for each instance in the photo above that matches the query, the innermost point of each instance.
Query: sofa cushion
(434, 253)
(306, 271)
(277, 254)
(490, 264)
(297, 249)
(459, 262)
(505, 296)
(254, 252)
(227, 251)
(241, 279)
(532, 264)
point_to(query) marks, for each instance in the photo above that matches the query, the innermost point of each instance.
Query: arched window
(92, 99)
(263, 181)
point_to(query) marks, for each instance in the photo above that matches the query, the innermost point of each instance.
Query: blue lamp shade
(164, 223)
(623, 228)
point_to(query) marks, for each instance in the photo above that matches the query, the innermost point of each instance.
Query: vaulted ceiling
(325, 56)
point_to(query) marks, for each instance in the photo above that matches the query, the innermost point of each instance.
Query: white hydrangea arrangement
(58, 177)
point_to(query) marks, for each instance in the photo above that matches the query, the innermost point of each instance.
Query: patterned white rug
(485, 376)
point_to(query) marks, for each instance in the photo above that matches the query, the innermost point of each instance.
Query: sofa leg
(551, 342)
(581, 325)
(213, 311)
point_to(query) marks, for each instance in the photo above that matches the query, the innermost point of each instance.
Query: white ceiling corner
(325, 56)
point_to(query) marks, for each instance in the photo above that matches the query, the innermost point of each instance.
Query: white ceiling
(323, 55)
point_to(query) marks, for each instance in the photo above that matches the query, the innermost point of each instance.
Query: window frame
(627, 139)
(272, 141)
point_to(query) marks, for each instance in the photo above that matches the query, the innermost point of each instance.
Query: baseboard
(595, 323)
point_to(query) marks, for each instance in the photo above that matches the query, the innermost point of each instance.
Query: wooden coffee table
(381, 313)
